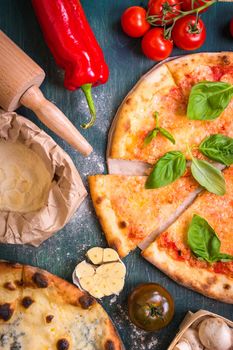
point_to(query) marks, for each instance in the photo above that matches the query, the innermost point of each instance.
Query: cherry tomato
(231, 27)
(169, 7)
(186, 5)
(150, 307)
(188, 34)
(133, 21)
(155, 46)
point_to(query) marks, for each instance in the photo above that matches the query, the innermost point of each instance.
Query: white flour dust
(138, 339)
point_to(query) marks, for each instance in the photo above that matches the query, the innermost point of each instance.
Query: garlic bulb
(215, 334)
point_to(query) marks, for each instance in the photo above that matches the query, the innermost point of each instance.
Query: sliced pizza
(165, 90)
(130, 214)
(171, 252)
(41, 311)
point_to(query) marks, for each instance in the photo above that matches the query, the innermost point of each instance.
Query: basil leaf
(202, 239)
(167, 134)
(224, 257)
(204, 242)
(167, 169)
(219, 148)
(208, 176)
(152, 134)
(208, 100)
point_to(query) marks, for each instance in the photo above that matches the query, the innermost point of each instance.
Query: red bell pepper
(73, 45)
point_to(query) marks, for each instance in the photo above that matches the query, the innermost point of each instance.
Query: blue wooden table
(61, 253)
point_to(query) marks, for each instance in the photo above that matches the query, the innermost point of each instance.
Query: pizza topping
(86, 301)
(10, 286)
(49, 318)
(40, 280)
(27, 301)
(152, 134)
(167, 169)
(6, 311)
(204, 242)
(151, 307)
(208, 176)
(109, 345)
(208, 100)
(105, 277)
(63, 344)
(218, 148)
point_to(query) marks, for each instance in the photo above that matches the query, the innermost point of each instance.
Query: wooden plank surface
(60, 253)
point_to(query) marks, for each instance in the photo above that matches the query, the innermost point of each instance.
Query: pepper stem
(86, 88)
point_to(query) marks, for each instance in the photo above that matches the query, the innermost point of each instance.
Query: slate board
(60, 253)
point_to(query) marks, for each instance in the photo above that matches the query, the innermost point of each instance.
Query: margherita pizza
(152, 121)
(165, 90)
(129, 213)
(39, 311)
(171, 253)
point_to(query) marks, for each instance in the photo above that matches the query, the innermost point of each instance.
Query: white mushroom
(215, 334)
(191, 337)
(183, 345)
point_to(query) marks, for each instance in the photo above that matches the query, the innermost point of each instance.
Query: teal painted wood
(60, 253)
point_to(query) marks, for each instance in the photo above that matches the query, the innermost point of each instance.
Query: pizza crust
(51, 309)
(210, 284)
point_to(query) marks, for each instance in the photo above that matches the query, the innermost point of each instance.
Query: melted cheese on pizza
(128, 212)
(218, 211)
(39, 311)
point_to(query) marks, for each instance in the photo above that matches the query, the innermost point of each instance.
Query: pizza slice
(130, 214)
(165, 90)
(41, 311)
(171, 253)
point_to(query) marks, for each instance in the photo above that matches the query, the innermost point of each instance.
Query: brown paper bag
(66, 193)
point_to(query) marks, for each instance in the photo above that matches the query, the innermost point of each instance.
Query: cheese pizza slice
(130, 214)
(40, 311)
(171, 253)
(165, 90)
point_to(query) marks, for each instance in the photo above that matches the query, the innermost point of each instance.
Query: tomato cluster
(175, 22)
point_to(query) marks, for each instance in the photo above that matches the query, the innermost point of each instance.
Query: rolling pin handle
(54, 119)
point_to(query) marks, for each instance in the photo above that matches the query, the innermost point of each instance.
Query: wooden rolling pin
(20, 78)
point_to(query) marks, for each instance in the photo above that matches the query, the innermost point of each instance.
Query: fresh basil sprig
(219, 148)
(208, 176)
(153, 133)
(167, 169)
(204, 242)
(208, 100)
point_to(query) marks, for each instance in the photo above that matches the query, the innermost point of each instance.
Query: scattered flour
(138, 339)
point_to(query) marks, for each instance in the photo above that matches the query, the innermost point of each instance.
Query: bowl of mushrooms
(204, 331)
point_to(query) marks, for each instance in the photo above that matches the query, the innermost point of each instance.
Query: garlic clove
(110, 255)
(84, 269)
(116, 285)
(95, 255)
